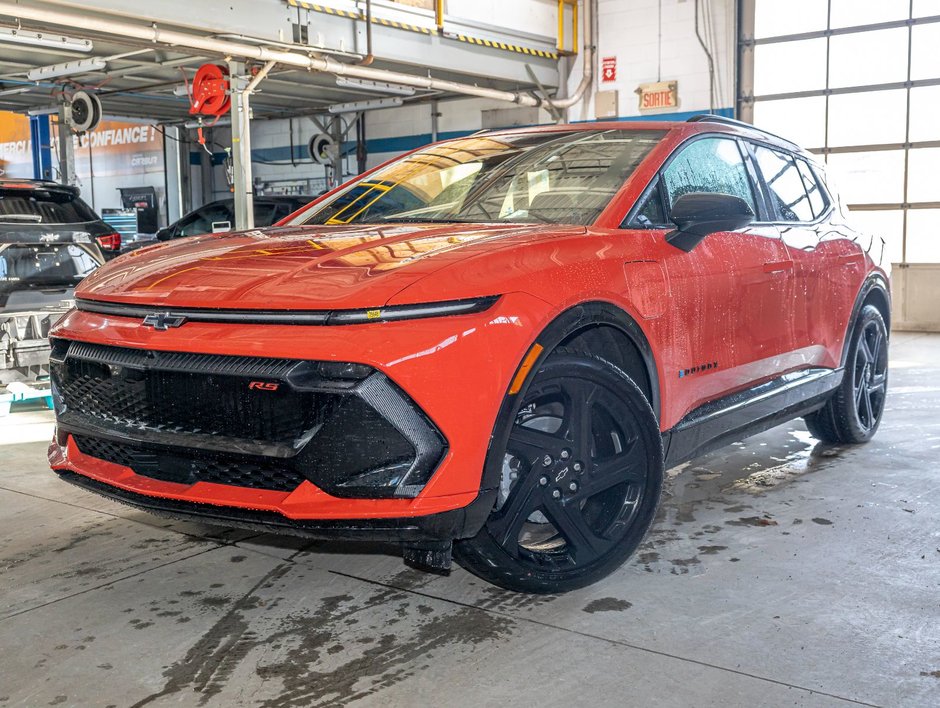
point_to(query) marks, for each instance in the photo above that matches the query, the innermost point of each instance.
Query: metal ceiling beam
(116, 28)
(275, 20)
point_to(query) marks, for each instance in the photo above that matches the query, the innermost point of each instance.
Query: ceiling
(140, 77)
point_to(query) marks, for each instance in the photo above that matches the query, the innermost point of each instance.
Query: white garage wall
(651, 39)
(655, 40)
(535, 16)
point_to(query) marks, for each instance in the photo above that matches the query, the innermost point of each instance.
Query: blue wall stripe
(403, 143)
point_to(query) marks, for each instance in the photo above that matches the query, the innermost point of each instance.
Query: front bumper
(441, 527)
(455, 369)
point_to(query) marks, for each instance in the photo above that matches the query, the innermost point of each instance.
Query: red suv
(494, 344)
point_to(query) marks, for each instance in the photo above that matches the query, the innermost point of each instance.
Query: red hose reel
(209, 95)
(210, 91)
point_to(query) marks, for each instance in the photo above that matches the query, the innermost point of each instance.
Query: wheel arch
(874, 291)
(565, 328)
(605, 330)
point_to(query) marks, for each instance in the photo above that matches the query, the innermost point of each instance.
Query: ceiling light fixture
(15, 91)
(42, 111)
(365, 105)
(377, 86)
(15, 35)
(69, 68)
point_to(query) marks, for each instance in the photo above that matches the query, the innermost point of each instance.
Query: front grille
(188, 393)
(244, 421)
(193, 466)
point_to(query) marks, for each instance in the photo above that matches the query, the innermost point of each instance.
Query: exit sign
(609, 69)
(662, 94)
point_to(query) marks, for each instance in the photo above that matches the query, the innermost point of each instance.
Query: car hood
(300, 268)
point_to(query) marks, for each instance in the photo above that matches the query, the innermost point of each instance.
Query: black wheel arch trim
(576, 318)
(873, 281)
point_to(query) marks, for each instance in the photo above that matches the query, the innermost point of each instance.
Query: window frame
(770, 210)
(657, 182)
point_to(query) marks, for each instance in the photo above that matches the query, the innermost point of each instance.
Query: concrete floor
(780, 572)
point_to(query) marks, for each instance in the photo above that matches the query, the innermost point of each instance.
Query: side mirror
(164, 234)
(701, 213)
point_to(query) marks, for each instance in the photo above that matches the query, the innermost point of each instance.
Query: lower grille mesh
(193, 466)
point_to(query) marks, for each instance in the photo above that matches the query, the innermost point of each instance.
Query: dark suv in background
(49, 240)
(219, 216)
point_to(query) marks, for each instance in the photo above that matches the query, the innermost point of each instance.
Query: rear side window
(818, 199)
(787, 189)
(43, 206)
(709, 165)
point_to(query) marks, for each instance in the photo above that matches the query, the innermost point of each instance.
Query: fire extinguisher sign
(608, 69)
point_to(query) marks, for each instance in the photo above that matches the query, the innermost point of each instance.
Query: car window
(43, 206)
(264, 213)
(652, 212)
(782, 178)
(284, 209)
(201, 220)
(540, 177)
(817, 196)
(709, 165)
(43, 265)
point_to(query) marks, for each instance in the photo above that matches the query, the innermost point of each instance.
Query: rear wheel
(582, 469)
(854, 412)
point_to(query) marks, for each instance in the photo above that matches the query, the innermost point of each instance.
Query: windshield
(552, 177)
(42, 206)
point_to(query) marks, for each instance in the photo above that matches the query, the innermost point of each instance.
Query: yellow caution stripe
(357, 16)
(491, 43)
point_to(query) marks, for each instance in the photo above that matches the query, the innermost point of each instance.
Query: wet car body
(435, 332)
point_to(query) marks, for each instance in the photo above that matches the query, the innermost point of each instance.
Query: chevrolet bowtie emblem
(163, 320)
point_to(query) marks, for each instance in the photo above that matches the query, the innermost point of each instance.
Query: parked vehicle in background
(49, 240)
(219, 216)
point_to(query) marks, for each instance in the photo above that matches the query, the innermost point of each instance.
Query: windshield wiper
(415, 220)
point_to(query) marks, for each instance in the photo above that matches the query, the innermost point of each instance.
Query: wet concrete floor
(780, 572)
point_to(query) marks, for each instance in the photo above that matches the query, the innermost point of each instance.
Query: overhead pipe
(153, 33)
(259, 77)
(587, 62)
(369, 57)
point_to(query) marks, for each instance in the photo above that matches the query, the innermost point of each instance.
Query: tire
(853, 413)
(582, 471)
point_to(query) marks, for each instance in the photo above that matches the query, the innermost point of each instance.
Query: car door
(730, 293)
(827, 265)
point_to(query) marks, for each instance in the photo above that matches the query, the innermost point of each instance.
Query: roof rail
(712, 118)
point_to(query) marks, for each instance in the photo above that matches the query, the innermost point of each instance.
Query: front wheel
(582, 470)
(854, 412)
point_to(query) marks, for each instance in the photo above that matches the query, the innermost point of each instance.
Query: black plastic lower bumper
(445, 526)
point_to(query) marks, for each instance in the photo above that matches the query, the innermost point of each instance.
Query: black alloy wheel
(854, 412)
(582, 469)
(870, 376)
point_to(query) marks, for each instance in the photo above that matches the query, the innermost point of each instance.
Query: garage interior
(779, 570)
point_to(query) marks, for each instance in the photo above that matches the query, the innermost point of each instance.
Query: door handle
(778, 266)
